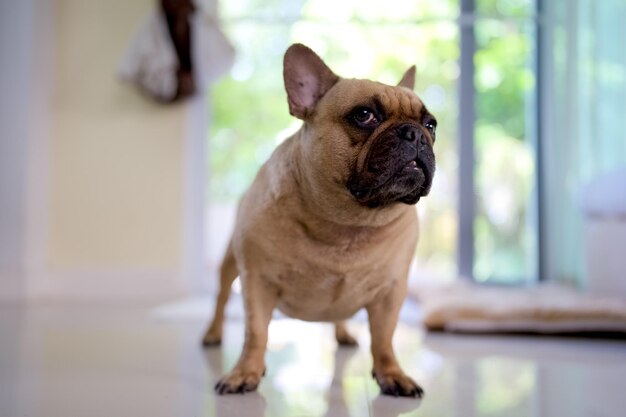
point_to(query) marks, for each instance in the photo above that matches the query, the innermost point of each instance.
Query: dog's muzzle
(399, 167)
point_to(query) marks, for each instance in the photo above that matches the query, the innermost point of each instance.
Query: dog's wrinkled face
(392, 134)
(373, 139)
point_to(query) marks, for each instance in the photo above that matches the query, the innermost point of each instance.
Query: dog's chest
(323, 286)
(322, 271)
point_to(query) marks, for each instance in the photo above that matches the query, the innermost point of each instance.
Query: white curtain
(583, 93)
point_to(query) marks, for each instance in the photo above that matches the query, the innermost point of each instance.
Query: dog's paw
(212, 337)
(239, 381)
(344, 338)
(347, 340)
(211, 340)
(398, 384)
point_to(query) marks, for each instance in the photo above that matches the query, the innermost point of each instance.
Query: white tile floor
(115, 361)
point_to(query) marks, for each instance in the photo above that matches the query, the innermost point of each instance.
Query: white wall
(16, 46)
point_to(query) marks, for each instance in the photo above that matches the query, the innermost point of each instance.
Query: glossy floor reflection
(79, 361)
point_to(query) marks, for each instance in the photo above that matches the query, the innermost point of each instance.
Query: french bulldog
(329, 225)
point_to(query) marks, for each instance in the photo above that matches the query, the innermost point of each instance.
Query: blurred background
(118, 186)
(107, 193)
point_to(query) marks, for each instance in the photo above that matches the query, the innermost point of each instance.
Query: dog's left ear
(307, 79)
(408, 79)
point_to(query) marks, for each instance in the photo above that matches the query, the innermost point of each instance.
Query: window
(363, 39)
(505, 226)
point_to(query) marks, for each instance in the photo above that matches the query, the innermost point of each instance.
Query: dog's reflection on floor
(381, 405)
(272, 401)
(385, 405)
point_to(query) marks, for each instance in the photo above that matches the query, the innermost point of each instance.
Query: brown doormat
(467, 308)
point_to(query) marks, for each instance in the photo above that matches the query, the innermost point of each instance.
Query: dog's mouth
(407, 185)
(416, 165)
(412, 165)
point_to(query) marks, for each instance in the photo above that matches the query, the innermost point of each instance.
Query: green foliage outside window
(364, 39)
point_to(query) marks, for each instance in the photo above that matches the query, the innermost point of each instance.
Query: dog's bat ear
(307, 79)
(408, 79)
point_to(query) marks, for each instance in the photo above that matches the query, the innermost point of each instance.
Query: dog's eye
(431, 125)
(365, 117)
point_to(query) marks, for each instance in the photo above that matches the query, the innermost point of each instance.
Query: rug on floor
(464, 307)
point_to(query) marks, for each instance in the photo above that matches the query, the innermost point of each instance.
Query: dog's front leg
(259, 302)
(383, 315)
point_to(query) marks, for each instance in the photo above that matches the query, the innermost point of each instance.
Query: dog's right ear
(408, 79)
(307, 79)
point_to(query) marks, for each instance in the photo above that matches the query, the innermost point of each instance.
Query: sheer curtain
(583, 95)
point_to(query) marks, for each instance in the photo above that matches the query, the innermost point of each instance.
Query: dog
(328, 226)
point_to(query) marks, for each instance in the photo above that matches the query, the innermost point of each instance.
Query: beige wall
(101, 189)
(116, 167)
(116, 162)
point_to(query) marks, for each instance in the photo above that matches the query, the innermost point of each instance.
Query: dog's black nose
(408, 132)
(356, 191)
